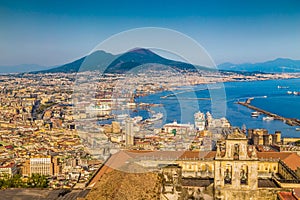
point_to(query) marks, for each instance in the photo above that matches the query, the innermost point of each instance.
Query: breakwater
(289, 121)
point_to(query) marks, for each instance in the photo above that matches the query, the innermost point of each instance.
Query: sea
(220, 99)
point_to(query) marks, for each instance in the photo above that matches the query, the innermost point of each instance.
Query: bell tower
(235, 166)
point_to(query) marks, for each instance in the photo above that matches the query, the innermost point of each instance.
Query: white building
(216, 123)
(41, 166)
(176, 128)
(199, 121)
(129, 132)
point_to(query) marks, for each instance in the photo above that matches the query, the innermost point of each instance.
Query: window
(244, 178)
(227, 176)
(236, 152)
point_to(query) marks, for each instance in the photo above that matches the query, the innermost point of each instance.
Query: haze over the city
(52, 33)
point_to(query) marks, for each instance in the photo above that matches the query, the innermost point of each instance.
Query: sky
(51, 33)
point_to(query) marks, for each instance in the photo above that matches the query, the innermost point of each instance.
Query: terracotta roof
(8, 165)
(293, 161)
(286, 196)
(211, 154)
(273, 155)
(297, 192)
(171, 154)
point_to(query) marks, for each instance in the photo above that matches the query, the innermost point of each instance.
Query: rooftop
(286, 196)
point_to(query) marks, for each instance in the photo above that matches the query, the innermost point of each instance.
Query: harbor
(288, 121)
(270, 99)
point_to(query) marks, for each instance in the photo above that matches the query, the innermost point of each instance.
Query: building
(116, 127)
(8, 169)
(129, 132)
(180, 129)
(236, 170)
(41, 166)
(216, 123)
(25, 168)
(262, 137)
(199, 118)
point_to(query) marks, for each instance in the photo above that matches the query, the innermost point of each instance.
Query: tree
(297, 143)
(11, 182)
(37, 181)
(174, 132)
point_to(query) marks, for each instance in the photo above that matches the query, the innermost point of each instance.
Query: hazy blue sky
(55, 32)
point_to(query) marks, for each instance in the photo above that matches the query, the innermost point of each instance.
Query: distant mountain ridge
(22, 68)
(278, 65)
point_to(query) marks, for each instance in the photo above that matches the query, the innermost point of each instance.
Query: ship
(255, 114)
(97, 108)
(199, 121)
(289, 92)
(155, 117)
(282, 87)
(268, 118)
(137, 119)
(122, 116)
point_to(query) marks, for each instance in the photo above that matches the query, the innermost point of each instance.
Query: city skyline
(53, 33)
(150, 100)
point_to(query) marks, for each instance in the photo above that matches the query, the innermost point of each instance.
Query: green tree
(297, 143)
(17, 181)
(174, 132)
(11, 182)
(37, 181)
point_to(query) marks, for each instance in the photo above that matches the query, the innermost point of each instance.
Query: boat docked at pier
(293, 92)
(268, 118)
(97, 108)
(255, 114)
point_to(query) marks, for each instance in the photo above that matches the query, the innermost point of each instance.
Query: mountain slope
(139, 56)
(108, 63)
(94, 61)
(278, 65)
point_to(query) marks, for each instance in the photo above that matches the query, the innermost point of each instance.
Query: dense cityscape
(46, 143)
(149, 100)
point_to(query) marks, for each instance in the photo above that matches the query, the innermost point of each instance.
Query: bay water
(183, 102)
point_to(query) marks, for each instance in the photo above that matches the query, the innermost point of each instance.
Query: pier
(191, 99)
(289, 121)
(185, 91)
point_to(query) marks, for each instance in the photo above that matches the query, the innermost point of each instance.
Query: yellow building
(234, 171)
(41, 165)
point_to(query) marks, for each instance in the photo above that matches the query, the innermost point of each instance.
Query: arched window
(236, 152)
(228, 174)
(244, 175)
